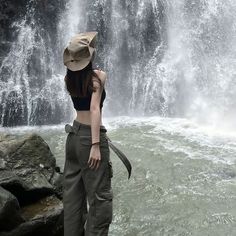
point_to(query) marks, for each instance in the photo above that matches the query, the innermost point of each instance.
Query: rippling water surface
(183, 180)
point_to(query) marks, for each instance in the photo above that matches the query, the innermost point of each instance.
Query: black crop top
(83, 104)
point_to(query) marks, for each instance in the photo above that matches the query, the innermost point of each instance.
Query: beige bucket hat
(80, 50)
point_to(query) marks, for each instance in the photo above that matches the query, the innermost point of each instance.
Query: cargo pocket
(103, 208)
(104, 142)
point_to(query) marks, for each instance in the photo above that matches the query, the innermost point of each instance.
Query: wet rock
(57, 182)
(9, 211)
(45, 217)
(27, 167)
(31, 192)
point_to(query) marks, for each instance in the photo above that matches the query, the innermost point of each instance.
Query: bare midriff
(84, 117)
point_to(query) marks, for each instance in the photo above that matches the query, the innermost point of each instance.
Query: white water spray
(167, 58)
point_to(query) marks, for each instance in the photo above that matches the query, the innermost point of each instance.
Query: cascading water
(31, 90)
(167, 58)
(196, 77)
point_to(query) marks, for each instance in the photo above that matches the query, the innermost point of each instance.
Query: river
(183, 180)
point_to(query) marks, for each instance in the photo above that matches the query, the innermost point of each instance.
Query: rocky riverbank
(30, 187)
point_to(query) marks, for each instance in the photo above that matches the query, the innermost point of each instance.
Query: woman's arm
(95, 114)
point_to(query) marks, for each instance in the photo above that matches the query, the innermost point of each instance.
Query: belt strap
(119, 153)
(75, 129)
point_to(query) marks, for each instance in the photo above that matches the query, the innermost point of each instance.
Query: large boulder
(30, 187)
(27, 167)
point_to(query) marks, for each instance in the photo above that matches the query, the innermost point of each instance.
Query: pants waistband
(76, 126)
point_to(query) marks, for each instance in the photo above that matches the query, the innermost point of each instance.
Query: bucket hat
(80, 51)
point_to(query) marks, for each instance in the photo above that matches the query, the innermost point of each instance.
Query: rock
(44, 217)
(9, 211)
(57, 182)
(31, 192)
(27, 167)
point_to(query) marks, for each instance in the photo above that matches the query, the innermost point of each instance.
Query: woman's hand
(94, 157)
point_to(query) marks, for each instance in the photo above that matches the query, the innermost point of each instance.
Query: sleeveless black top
(83, 104)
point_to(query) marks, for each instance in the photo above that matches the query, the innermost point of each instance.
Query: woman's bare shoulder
(101, 74)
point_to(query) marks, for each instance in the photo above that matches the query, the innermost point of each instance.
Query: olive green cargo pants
(82, 184)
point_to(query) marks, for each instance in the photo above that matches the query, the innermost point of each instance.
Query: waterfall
(162, 57)
(197, 72)
(167, 58)
(31, 89)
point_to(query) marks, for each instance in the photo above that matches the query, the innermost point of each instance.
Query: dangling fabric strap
(121, 155)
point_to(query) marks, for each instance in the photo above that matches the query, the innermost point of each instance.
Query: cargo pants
(84, 187)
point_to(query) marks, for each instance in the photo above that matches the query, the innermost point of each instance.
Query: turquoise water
(183, 180)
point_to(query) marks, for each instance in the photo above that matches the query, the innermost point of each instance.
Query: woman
(88, 169)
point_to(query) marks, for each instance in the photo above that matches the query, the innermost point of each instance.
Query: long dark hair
(80, 83)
